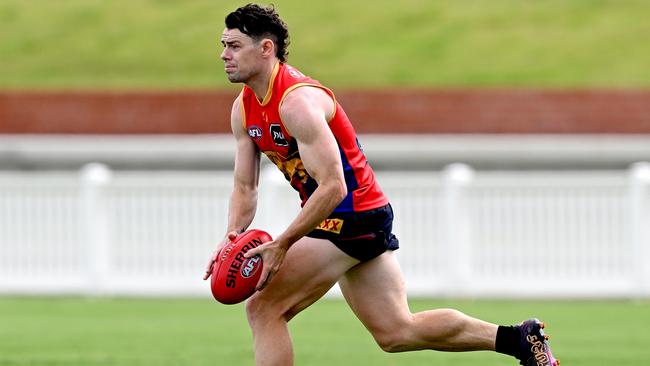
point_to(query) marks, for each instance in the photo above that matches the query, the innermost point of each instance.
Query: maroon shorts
(361, 235)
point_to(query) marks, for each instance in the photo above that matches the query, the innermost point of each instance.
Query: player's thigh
(311, 267)
(376, 292)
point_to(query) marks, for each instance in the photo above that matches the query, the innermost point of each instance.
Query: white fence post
(96, 227)
(458, 230)
(639, 175)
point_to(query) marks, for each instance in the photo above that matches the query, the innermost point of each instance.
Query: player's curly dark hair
(261, 22)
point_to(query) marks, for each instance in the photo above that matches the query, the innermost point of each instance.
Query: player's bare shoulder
(237, 115)
(305, 102)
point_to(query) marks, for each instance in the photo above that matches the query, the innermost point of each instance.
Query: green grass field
(78, 331)
(174, 44)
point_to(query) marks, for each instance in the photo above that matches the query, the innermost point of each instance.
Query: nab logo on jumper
(281, 148)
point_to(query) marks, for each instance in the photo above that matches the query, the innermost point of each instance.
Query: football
(234, 277)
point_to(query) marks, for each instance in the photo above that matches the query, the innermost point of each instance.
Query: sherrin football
(234, 277)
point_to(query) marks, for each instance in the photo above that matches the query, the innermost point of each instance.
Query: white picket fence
(462, 232)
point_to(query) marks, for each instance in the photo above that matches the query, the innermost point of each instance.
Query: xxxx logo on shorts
(331, 225)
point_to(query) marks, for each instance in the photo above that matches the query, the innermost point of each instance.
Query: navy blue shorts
(361, 235)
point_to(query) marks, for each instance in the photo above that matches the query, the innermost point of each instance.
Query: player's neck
(260, 82)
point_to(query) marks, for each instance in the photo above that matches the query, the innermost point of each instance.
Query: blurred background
(512, 138)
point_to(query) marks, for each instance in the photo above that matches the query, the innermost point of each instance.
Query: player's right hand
(213, 259)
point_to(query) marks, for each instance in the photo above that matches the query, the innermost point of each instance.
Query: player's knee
(392, 342)
(262, 310)
(395, 338)
(256, 310)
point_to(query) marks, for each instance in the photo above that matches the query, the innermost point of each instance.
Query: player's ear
(268, 47)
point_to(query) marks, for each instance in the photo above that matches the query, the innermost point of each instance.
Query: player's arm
(305, 112)
(243, 199)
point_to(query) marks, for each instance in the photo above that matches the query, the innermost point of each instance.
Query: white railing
(462, 232)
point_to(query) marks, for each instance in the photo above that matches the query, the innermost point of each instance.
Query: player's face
(241, 55)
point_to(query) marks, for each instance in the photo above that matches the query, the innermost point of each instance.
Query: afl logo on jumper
(277, 135)
(255, 132)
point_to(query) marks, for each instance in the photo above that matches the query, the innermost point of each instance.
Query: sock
(507, 341)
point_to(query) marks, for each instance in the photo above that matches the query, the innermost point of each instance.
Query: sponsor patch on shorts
(331, 225)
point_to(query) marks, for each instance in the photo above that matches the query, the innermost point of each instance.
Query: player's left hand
(273, 254)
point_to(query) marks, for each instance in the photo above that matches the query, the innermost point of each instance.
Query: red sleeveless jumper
(264, 126)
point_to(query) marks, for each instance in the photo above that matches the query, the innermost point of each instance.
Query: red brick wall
(405, 111)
